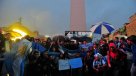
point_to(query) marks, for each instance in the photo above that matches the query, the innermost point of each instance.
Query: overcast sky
(53, 16)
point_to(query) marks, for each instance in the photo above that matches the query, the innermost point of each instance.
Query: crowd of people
(34, 57)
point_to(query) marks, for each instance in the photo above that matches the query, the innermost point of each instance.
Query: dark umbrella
(75, 38)
(60, 38)
(85, 38)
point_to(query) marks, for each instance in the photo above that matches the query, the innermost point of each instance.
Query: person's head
(27, 37)
(31, 39)
(131, 40)
(122, 39)
(95, 45)
(66, 53)
(0, 30)
(111, 41)
(36, 54)
(7, 35)
(36, 40)
(91, 48)
(84, 42)
(104, 41)
(45, 55)
(44, 42)
(61, 56)
(83, 49)
(97, 56)
(88, 53)
(112, 46)
(116, 39)
(49, 39)
(100, 41)
(54, 49)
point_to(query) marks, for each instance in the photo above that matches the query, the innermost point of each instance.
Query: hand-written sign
(76, 63)
(64, 65)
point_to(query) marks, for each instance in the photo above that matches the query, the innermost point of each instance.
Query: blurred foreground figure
(132, 41)
(21, 56)
(15, 60)
(2, 49)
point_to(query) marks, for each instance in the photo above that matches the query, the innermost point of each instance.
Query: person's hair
(96, 44)
(117, 38)
(35, 52)
(132, 38)
(111, 41)
(123, 39)
(27, 37)
(104, 40)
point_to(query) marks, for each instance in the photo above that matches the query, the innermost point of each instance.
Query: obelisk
(77, 17)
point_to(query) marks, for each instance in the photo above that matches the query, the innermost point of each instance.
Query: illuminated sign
(78, 33)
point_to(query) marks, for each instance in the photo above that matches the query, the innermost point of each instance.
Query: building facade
(131, 26)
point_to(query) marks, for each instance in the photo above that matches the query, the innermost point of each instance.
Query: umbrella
(60, 38)
(85, 38)
(75, 38)
(102, 28)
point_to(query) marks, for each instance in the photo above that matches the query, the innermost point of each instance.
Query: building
(18, 30)
(131, 26)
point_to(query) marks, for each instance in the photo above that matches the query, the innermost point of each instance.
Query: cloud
(46, 22)
(41, 21)
(44, 16)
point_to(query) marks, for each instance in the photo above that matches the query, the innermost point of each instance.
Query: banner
(64, 65)
(75, 63)
(78, 33)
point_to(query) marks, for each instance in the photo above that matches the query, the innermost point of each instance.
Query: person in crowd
(95, 48)
(45, 63)
(33, 68)
(30, 57)
(38, 45)
(104, 47)
(53, 65)
(85, 45)
(64, 72)
(9, 59)
(54, 47)
(11, 49)
(2, 43)
(24, 49)
(132, 41)
(8, 46)
(116, 41)
(122, 44)
(115, 60)
(99, 65)
(83, 53)
(47, 44)
(8, 42)
(2, 48)
(88, 62)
